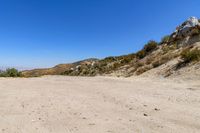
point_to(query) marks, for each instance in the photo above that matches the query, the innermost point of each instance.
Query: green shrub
(116, 65)
(138, 64)
(156, 64)
(142, 70)
(195, 32)
(149, 60)
(110, 59)
(141, 54)
(167, 48)
(127, 58)
(67, 72)
(150, 46)
(163, 60)
(165, 39)
(10, 73)
(190, 55)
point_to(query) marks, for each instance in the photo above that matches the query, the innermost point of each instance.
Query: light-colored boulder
(191, 22)
(186, 29)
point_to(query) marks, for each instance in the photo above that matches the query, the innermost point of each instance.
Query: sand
(56, 104)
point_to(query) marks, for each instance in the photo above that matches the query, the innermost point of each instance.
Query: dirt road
(56, 104)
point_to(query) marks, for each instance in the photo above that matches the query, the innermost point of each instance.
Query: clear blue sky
(43, 33)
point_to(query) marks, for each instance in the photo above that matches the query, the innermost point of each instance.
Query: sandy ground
(56, 104)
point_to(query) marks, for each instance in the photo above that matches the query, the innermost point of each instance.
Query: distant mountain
(178, 53)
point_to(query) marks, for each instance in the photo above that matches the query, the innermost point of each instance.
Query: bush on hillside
(142, 70)
(127, 59)
(165, 39)
(164, 59)
(110, 59)
(149, 60)
(156, 64)
(148, 48)
(195, 32)
(190, 55)
(167, 48)
(141, 54)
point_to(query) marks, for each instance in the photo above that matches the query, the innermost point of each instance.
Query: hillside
(176, 54)
(57, 70)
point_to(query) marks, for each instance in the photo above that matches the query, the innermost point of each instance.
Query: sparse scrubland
(178, 46)
(181, 47)
(161, 94)
(190, 55)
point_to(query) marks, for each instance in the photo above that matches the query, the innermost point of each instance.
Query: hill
(176, 54)
(58, 69)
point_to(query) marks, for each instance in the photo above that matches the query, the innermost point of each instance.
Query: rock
(191, 22)
(188, 28)
(145, 115)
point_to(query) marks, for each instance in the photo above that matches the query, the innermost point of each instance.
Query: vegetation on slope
(57, 70)
(152, 55)
(112, 64)
(190, 55)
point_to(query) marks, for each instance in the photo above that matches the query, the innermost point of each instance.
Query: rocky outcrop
(186, 31)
